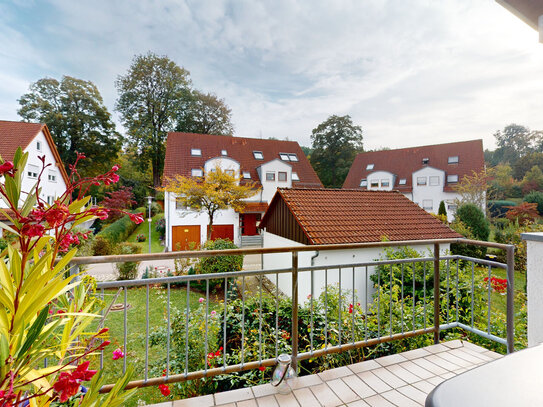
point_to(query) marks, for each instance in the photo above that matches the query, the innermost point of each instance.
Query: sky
(409, 72)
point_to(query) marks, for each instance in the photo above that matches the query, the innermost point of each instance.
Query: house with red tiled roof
(34, 139)
(299, 216)
(268, 163)
(426, 175)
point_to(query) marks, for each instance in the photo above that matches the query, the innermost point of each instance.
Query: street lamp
(149, 201)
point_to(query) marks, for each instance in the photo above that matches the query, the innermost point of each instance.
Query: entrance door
(222, 232)
(248, 224)
(183, 236)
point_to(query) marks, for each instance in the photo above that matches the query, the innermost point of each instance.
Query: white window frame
(295, 176)
(370, 166)
(197, 172)
(246, 175)
(50, 199)
(454, 159)
(38, 145)
(293, 157)
(196, 152)
(52, 176)
(282, 173)
(230, 172)
(434, 180)
(364, 182)
(258, 155)
(402, 181)
(422, 181)
(284, 156)
(428, 204)
(425, 161)
(32, 171)
(374, 183)
(270, 176)
(224, 152)
(385, 183)
(452, 179)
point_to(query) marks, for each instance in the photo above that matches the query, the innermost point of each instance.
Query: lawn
(136, 317)
(143, 228)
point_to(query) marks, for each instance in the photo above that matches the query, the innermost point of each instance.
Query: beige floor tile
(457, 343)
(264, 390)
(203, 401)
(358, 403)
(233, 395)
(389, 378)
(305, 397)
(358, 386)
(403, 374)
(439, 361)
(247, 403)
(470, 357)
(287, 400)
(335, 373)
(227, 405)
(471, 346)
(305, 381)
(455, 359)
(416, 369)
(436, 348)
(448, 375)
(378, 401)
(326, 397)
(391, 359)
(164, 404)
(344, 392)
(413, 393)
(492, 355)
(374, 382)
(424, 386)
(399, 399)
(480, 355)
(364, 366)
(436, 380)
(431, 367)
(415, 353)
(267, 401)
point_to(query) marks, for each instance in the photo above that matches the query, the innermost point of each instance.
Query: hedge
(120, 230)
(498, 208)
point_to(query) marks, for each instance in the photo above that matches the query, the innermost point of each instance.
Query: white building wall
(362, 284)
(270, 187)
(377, 180)
(432, 192)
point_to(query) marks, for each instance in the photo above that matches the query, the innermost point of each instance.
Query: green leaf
(4, 350)
(76, 206)
(30, 202)
(34, 331)
(6, 227)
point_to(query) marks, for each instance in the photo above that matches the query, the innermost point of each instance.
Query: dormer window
(369, 167)
(38, 145)
(258, 155)
(425, 161)
(293, 157)
(197, 172)
(453, 160)
(421, 180)
(284, 156)
(246, 175)
(229, 172)
(282, 176)
(195, 151)
(452, 179)
(270, 176)
(402, 181)
(224, 152)
(374, 183)
(295, 176)
(364, 183)
(385, 182)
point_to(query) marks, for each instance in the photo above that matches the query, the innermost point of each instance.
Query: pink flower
(118, 354)
(56, 216)
(137, 218)
(115, 168)
(213, 313)
(68, 383)
(33, 230)
(164, 389)
(201, 300)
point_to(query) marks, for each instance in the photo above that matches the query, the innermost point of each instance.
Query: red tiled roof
(255, 207)
(403, 162)
(180, 161)
(334, 216)
(20, 134)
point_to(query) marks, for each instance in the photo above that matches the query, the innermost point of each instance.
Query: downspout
(314, 257)
(167, 226)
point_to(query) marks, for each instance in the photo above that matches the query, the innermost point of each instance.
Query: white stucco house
(302, 217)
(34, 139)
(426, 175)
(269, 163)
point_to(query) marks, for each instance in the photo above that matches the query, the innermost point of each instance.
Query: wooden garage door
(183, 236)
(222, 232)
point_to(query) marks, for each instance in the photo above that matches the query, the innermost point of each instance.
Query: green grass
(136, 317)
(144, 229)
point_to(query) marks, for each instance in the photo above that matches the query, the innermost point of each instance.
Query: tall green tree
(515, 141)
(150, 95)
(205, 113)
(74, 112)
(335, 143)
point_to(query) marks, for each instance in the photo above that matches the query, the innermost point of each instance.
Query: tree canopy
(205, 113)
(335, 143)
(74, 112)
(515, 141)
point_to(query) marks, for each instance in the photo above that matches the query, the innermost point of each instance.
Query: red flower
(115, 168)
(33, 230)
(7, 168)
(56, 216)
(37, 215)
(164, 389)
(68, 383)
(137, 218)
(262, 368)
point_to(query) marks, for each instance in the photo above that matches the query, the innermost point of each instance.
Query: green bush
(475, 219)
(155, 208)
(217, 264)
(442, 211)
(127, 270)
(160, 227)
(498, 208)
(101, 246)
(119, 230)
(3, 244)
(535, 197)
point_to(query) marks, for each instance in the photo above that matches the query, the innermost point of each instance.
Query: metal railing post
(510, 299)
(437, 295)
(294, 334)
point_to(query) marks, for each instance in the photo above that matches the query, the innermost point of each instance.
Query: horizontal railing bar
(370, 263)
(483, 333)
(483, 261)
(271, 250)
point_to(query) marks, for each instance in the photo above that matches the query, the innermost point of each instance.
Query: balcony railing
(446, 303)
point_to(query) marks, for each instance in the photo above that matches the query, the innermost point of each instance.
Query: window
(195, 151)
(374, 183)
(293, 157)
(385, 182)
(38, 145)
(434, 180)
(270, 176)
(32, 171)
(364, 183)
(427, 204)
(50, 199)
(402, 181)
(453, 160)
(224, 152)
(282, 176)
(197, 172)
(425, 161)
(284, 156)
(246, 175)
(258, 155)
(421, 180)
(452, 207)
(295, 176)
(52, 176)
(452, 179)
(229, 172)
(369, 167)
(179, 205)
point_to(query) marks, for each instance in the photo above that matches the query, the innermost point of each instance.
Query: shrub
(127, 270)
(522, 214)
(119, 230)
(442, 211)
(101, 246)
(217, 264)
(466, 249)
(537, 198)
(140, 237)
(117, 201)
(498, 209)
(475, 219)
(160, 227)
(3, 244)
(155, 208)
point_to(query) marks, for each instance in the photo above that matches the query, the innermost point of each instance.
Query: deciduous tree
(472, 188)
(335, 143)
(515, 141)
(74, 112)
(215, 191)
(205, 113)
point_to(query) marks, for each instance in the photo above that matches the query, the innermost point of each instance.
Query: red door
(249, 224)
(222, 232)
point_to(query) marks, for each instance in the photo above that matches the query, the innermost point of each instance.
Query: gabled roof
(404, 161)
(21, 134)
(335, 216)
(180, 161)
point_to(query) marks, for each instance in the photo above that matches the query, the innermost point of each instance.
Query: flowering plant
(140, 237)
(44, 312)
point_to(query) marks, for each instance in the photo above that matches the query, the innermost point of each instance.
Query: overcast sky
(409, 72)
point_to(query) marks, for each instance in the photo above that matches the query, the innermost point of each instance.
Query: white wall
(380, 176)
(270, 187)
(324, 259)
(534, 286)
(434, 193)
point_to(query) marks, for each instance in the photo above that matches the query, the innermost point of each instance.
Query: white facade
(272, 174)
(380, 181)
(52, 183)
(362, 284)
